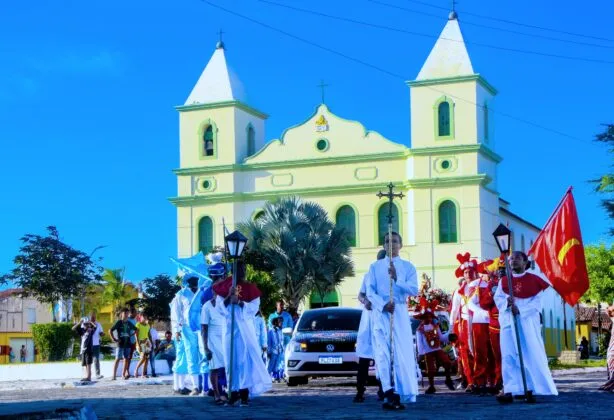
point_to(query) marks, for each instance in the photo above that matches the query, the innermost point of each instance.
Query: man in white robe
(527, 288)
(364, 341)
(403, 386)
(247, 374)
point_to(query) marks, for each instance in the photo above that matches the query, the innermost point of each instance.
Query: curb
(576, 371)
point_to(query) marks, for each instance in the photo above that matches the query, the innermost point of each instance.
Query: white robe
(538, 376)
(248, 369)
(364, 344)
(216, 324)
(378, 292)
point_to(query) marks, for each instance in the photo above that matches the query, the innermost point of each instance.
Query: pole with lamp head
(502, 238)
(235, 244)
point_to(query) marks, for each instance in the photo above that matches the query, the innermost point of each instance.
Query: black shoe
(481, 391)
(430, 390)
(234, 398)
(493, 390)
(393, 401)
(380, 396)
(505, 398)
(450, 384)
(359, 398)
(184, 391)
(530, 399)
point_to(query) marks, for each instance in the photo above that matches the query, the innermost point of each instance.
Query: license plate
(331, 360)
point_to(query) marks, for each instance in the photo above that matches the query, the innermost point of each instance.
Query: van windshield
(330, 321)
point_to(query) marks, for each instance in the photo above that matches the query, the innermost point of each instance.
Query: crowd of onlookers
(133, 334)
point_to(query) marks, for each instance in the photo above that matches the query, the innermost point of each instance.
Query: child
(143, 344)
(86, 330)
(275, 348)
(429, 339)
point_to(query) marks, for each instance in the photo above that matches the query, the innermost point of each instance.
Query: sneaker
(430, 390)
(449, 384)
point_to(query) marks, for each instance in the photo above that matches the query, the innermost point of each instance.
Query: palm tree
(302, 247)
(116, 291)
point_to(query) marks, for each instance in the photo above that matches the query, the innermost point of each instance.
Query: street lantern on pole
(235, 244)
(502, 237)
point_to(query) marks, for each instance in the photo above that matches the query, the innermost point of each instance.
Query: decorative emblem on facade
(321, 124)
(330, 347)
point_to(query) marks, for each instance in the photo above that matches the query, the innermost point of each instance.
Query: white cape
(248, 369)
(538, 375)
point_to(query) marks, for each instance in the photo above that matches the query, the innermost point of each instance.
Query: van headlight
(299, 347)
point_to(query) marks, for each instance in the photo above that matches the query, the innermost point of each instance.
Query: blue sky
(90, 136)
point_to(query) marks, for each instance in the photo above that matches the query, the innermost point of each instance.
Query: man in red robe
(460, 315)
(487, 271)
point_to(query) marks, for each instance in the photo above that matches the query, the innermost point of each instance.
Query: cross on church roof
(220, 43)
(453, 15)
(322, 86)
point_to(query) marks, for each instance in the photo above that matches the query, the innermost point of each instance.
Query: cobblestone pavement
(324, 398)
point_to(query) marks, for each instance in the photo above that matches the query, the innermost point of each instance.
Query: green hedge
(52, 340)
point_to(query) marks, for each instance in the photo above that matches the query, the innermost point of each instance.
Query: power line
(512, 22)
(479, 25)
(382, 70)
(399, 30)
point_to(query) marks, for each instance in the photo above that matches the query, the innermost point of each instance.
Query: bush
(52, 340)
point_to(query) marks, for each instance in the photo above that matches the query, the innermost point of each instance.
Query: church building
(452, 201)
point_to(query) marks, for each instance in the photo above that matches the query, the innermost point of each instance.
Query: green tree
(51, 270)
(600, 266)
(300, 246)
(158, 292)
(605, 184)
(116, 290)
(270, 291)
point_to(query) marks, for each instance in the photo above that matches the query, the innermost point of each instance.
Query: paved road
(331, 398)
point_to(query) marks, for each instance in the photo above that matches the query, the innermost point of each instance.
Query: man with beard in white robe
(364, 341)
(403, 386)
(527, 288)
(247, 374)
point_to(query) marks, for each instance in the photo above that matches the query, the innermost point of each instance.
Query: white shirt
(480, 316)
(96, 336)
(211, 317)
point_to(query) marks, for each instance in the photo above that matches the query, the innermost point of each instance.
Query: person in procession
(261, 334)
(402, 386)
(189, 347)
(247, 374)
(527, 305)
(213, 325)
(364, 341)
(487, 270)
(275, 347)
(429, 339)
(480, 321)
(460, 316)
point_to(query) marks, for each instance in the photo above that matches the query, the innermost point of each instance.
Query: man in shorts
(125, 330)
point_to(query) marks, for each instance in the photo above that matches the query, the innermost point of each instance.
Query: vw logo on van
(330, 347)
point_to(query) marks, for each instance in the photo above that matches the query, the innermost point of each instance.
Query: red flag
(559, 251)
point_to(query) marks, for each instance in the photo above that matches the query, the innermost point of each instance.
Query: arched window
(346, 219)
(208, 142)
(448, 232)
(251, 141)
(485, 110)
(443, 116)
(205, 234)
(382, 222)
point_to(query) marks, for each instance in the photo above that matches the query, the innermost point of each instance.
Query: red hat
(425, 308)
(465, 263)
(483, 267)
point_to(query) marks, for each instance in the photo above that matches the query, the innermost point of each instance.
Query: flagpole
(232, 311)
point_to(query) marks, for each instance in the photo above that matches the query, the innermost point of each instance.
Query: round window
(322, 145)
(446, 164)
(206, 185)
